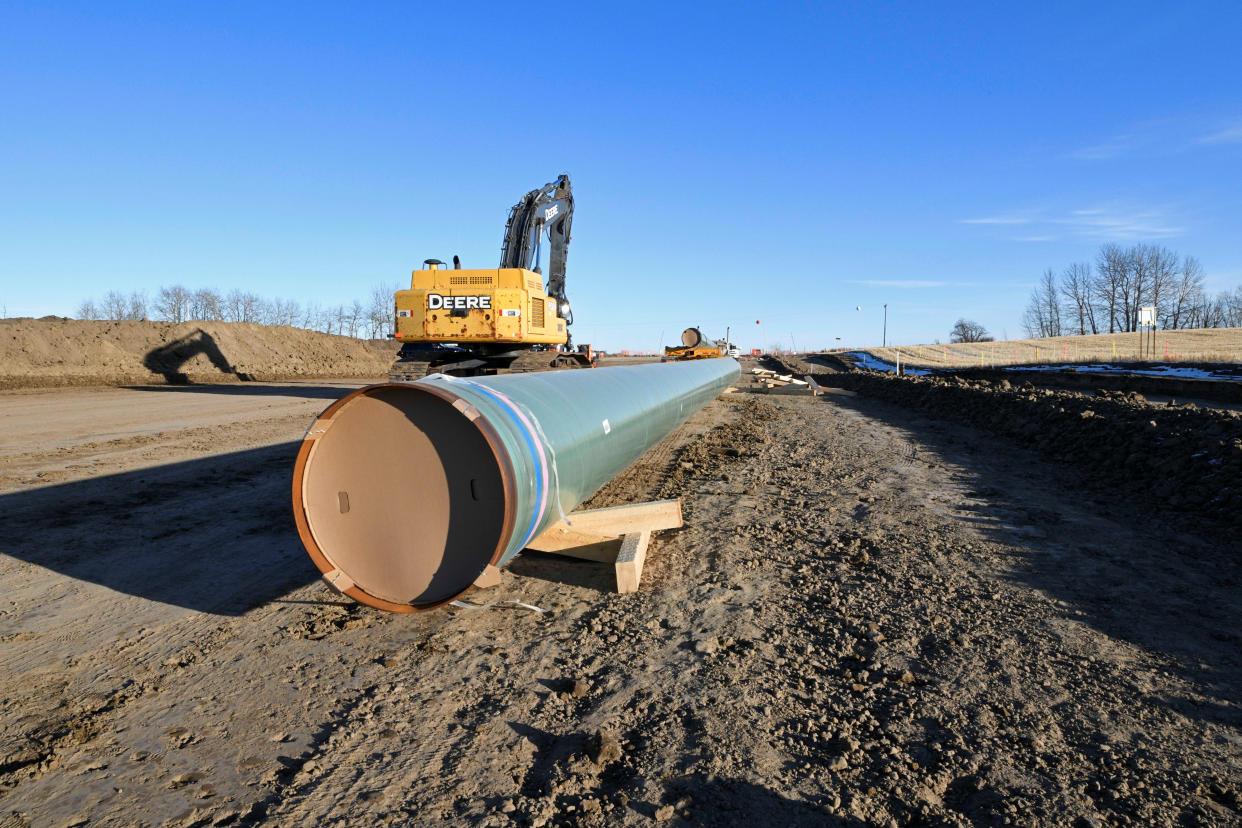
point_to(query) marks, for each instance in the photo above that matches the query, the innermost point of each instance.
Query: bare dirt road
(874, 616)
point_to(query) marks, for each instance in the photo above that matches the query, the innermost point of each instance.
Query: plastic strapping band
(556, 475)
(469, 606)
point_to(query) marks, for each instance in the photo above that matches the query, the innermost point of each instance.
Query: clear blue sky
(786, 163)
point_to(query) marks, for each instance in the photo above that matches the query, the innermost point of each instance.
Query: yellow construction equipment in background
(471, 322)
(693, 346)
(498, 305)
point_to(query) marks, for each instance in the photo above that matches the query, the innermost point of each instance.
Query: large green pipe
(404, 493)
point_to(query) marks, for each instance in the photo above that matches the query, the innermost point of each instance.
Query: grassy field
(1205, 345)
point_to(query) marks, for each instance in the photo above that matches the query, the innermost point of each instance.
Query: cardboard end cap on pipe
(400, 497)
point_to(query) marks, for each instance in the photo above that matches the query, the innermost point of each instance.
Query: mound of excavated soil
(53, 351)
(1177, 458)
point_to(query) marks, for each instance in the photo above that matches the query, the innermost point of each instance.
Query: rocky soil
(877, 614)
(1177, 457)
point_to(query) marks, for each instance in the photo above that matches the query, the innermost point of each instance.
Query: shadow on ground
(293, 389)
(214, 535)
(559, 569)
(168, 359)
(1131, 574)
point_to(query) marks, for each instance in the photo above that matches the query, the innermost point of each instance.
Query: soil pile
(1176, 457)
(53, 351)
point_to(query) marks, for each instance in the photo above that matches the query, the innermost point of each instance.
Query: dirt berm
(54, 351)
(1176, 457)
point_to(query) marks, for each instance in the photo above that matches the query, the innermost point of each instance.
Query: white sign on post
(1147, 316)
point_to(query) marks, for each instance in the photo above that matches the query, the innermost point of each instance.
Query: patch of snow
(1154, 370)
(866, 360)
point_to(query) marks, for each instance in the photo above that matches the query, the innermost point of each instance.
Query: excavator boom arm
(550, 209)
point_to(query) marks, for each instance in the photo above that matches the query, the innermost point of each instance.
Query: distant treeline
(1105, 296)
(179, 304)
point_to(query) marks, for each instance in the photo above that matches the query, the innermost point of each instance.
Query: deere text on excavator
(498, 320)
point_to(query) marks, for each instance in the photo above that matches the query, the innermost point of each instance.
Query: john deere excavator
(498, 320)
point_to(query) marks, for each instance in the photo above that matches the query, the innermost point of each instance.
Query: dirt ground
(877, 614)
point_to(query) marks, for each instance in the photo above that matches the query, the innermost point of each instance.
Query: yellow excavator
(498, 320)
(695, 346)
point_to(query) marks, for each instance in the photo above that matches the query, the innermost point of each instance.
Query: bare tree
(241, 306)
(341, 320)
(1135, 284)
(310, 317)
(281, 312)
(1076, 291)
(1233, 308)
(87, 310)
(1212, 311)
(1163, 265)
(137, 305)
(380, 311)
(206, 305)
(1185, 293)
(1111, 269)
(357, 315)
(327, 321)
(1043, 312)
(1148, 277)
(172, 303)
(966, 330)
(114, 307)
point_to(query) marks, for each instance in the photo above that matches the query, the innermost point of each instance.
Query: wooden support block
(617, 534)
(490, 578)
(559, 538)
(630, 561)
(596, 525)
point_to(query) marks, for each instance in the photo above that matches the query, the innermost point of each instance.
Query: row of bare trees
(1105, 296)
(177, 303)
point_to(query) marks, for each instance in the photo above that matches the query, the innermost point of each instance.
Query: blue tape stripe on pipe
(535, 454)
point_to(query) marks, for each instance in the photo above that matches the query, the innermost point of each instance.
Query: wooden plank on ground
(630, 561)
(617, 534)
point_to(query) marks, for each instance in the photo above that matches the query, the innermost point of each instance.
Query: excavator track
(546, 361)
(410, 370)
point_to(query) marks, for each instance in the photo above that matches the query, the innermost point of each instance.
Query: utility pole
(884, 336)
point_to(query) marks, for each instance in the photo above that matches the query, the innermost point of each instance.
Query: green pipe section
(404, 493)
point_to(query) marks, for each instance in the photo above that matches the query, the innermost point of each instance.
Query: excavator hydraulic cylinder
(404, 493)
